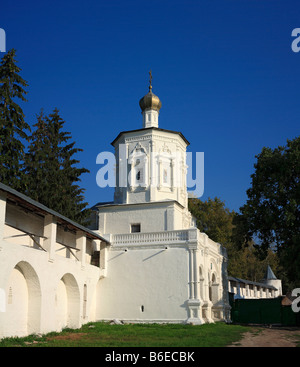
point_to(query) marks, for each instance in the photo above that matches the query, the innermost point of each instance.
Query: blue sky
(223, 69)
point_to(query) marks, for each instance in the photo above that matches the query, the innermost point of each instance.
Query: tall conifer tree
(52, 175)
(13, 128)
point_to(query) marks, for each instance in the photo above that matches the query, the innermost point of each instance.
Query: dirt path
(270, 337)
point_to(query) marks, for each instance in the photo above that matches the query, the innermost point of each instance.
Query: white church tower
(150, 176)
(160, 267)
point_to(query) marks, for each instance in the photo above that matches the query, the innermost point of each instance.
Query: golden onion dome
(150, 100)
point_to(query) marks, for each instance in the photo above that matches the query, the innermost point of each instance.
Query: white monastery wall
(153, 217)
(168, 276)
(44, 287)
(254, 290)
(145, 285)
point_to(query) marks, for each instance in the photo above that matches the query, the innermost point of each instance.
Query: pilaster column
(194, 304)
(50, 229)
(159, 173)
(172, 174)
(207, 304)
(191, 272)
(146, 182)
(153, 172)
(196, 293)
(131, 177)
(238, 289)
(247, 291)
(103, 255)
(81, 245)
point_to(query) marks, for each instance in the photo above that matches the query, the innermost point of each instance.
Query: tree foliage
(213, 218)
(267, 229)
(52, 175)
(272, 211)
(224, 226)
(13, 128)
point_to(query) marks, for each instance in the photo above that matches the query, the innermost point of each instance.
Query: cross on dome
(150, 80)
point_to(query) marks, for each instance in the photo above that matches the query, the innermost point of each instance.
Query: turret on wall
(270, 279)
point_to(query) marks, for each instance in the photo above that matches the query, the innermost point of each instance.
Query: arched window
(166, 173)
(213, 289)
(139, 167)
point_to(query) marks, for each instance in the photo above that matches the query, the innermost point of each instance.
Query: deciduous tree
(272, 211)
(228, 228)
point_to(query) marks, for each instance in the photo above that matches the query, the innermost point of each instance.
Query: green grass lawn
(100, 334)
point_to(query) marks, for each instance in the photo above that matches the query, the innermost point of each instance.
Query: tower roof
(150, 129)
(269, 274)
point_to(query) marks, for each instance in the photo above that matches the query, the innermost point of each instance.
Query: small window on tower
(135, 228)
(165, 175)
(139, 177)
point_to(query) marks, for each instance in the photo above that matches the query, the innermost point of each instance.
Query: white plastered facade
(160, 267)
(55, 273)
(47, 280)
